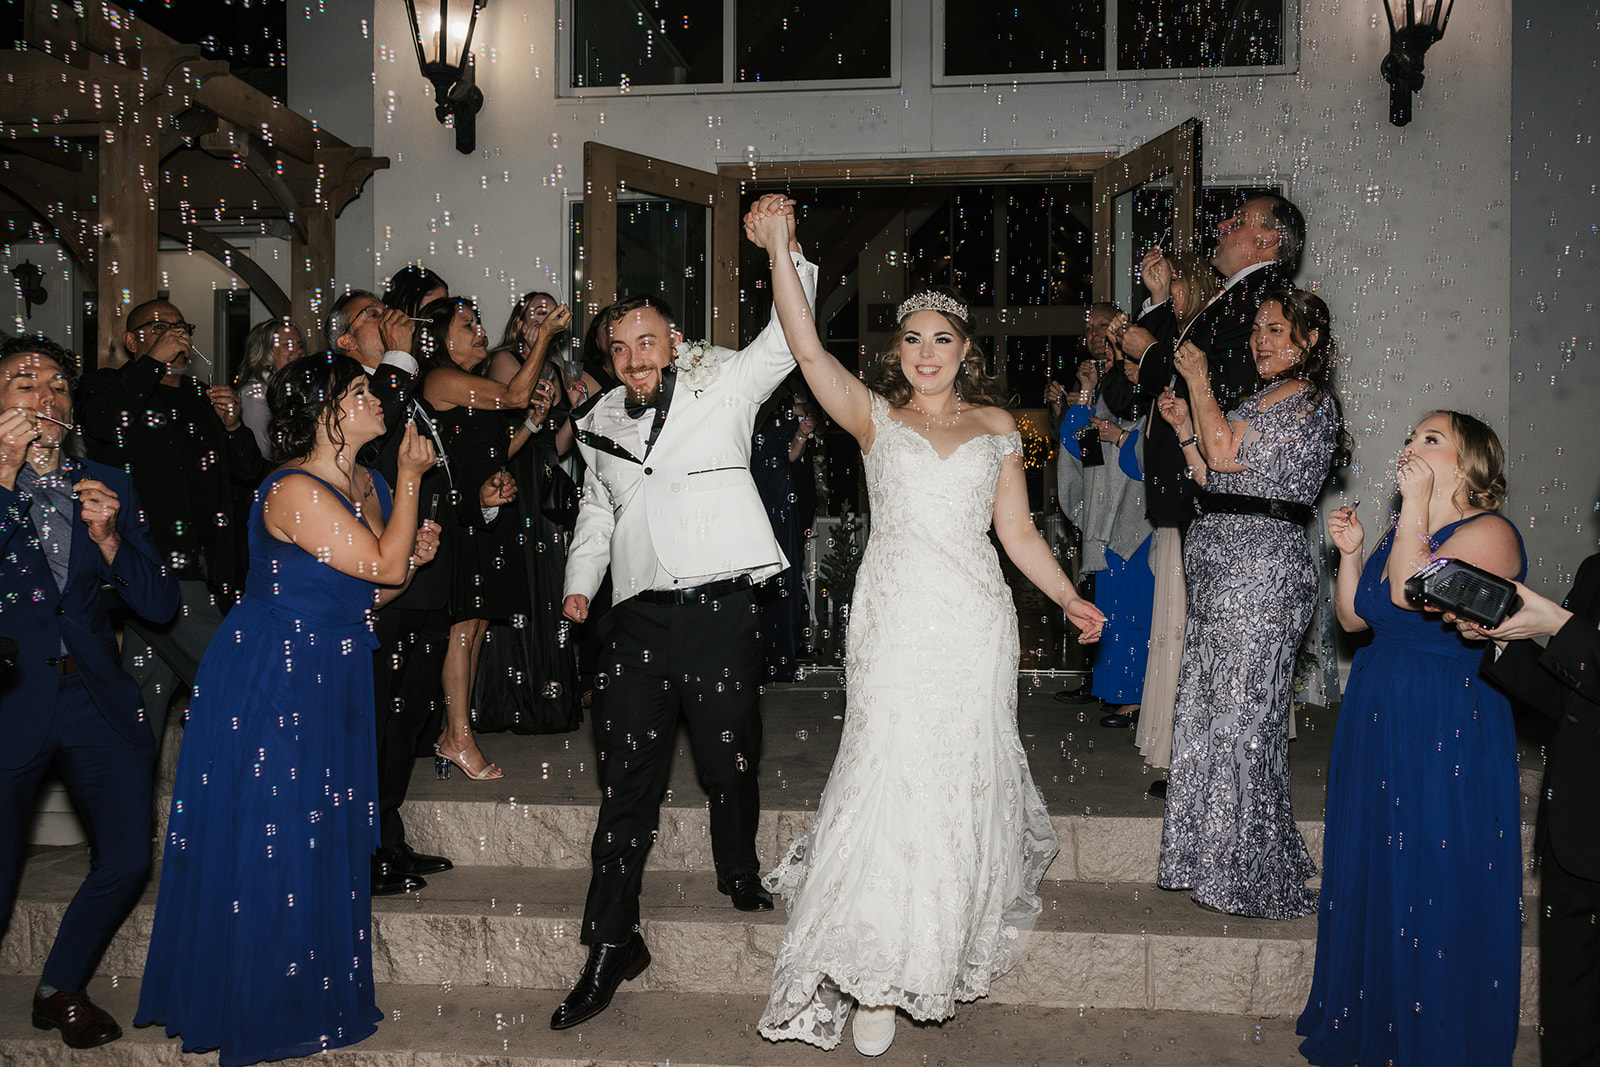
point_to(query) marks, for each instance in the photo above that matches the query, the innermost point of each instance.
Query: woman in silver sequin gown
(1229, 835)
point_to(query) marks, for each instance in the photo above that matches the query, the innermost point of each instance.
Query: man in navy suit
(67, 528)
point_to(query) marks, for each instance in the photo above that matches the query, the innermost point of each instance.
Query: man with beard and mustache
(670, 508)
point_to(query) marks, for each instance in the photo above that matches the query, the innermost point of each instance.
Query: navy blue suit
(87, 722)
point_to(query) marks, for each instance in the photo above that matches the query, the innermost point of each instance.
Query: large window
(1033, 39)
(623, 44)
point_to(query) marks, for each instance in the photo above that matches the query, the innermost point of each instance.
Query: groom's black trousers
(702, 659)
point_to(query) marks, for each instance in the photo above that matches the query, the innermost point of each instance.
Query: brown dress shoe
(82, 1023)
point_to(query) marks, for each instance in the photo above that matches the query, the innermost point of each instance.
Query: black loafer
(408, 860)
(746, 891)
(1118, 721)
(1077, 696)
(1158, 788)
(608, 967)
(388, 881)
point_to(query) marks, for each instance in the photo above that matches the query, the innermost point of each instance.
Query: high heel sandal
(441, 767)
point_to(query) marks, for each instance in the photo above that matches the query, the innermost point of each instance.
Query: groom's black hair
(633, 302)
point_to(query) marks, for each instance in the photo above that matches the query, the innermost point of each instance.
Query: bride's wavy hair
(974, 384)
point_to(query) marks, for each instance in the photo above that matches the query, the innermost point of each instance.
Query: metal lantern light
(1409, 40)
(444, 55)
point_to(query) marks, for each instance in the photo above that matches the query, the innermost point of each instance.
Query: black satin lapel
(663, 401)
(601, 443)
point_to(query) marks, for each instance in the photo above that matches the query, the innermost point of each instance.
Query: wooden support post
(125, 264)
(311, 279)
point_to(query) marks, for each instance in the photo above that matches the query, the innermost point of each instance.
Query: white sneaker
(873, 1029)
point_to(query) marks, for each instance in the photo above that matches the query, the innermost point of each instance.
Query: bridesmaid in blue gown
(262, 940)
(1419, 933)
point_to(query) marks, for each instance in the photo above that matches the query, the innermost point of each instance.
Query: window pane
(646, 42)
(661, 250)
(1024, 37)
(788, 41)
(1049, 244)
(1167, 34)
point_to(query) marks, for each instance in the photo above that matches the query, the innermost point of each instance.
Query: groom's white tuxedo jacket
(687, 500)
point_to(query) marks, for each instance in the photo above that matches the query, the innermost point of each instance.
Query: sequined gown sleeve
(917, 883)
(262, 943)
(1229, 833)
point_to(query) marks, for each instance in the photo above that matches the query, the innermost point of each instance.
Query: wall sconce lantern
(444, 55)
(30, 285)
(1409, 40)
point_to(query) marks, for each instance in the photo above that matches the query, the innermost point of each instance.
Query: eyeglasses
(159, 327)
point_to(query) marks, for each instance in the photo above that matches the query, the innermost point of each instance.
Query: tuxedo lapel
(606, 414)
(669, 379)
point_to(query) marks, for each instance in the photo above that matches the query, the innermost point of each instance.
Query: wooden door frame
(1176, 152)
(609, 171)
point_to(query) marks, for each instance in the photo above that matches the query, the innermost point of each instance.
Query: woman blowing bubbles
(1419, 931)
(262, 943)
(917, 884)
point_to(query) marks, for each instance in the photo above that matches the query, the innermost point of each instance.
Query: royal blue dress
(262, 942)
(1419, 929)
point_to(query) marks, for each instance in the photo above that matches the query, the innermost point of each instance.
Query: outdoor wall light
(444, 55)
(1409, 39)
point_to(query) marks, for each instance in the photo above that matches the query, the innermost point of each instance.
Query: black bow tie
(636, 408)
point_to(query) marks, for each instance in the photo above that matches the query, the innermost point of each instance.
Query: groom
(670, 508)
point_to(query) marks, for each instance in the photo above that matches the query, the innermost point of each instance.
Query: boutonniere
(696, 365)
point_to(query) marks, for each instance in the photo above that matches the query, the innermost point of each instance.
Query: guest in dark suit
(1562, 680)
(67, 528)
(189, 453)
(1258, 251)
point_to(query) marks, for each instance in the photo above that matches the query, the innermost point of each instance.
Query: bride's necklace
(932, 419)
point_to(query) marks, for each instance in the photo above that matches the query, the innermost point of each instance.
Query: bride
(917, 883)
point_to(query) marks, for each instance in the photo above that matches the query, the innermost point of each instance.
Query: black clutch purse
(1470, 592)
(1089, 447)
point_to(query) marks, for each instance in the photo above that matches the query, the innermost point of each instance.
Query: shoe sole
(627, 976)
(42, 1023)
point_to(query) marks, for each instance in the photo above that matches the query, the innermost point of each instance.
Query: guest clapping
(1419, 931)
(1229, 834)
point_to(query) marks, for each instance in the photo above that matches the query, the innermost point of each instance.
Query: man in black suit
(1258, 250)
(413, 630)
(1562, 680)
(74, 544)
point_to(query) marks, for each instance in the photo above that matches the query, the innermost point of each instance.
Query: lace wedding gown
(917, 883)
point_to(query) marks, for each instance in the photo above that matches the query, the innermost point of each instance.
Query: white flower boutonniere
(697, 365)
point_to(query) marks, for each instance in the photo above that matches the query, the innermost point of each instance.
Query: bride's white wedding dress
(917, 884)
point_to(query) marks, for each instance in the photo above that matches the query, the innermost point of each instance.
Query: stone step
(455, 1026)
(1107, 945)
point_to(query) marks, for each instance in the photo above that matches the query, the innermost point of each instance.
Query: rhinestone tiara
(931, 301)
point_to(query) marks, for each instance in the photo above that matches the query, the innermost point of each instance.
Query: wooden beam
(311, 285)
(73, 228)
(126, 263)
(939, 170)
(235, 101)
(235, 259)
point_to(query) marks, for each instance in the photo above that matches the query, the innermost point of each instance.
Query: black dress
(491, 578)
(528, 672)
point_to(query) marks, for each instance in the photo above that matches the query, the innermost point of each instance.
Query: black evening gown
(528, 672)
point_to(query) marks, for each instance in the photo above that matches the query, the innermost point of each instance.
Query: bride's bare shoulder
(994, 420)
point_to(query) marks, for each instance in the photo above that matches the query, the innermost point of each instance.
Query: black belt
(698, 593)
(1289, 511)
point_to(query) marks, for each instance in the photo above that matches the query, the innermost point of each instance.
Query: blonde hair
(1480, 456)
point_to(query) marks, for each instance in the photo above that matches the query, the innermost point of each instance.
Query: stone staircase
(471, 967)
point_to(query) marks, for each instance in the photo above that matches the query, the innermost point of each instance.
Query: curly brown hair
(974, 384)
(1307, 313)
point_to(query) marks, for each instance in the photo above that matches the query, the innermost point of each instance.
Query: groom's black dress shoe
(407, 860)
(746, 891)
(608, 967)
(389, 881)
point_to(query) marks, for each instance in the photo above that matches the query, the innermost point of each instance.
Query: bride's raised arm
(842, 395)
